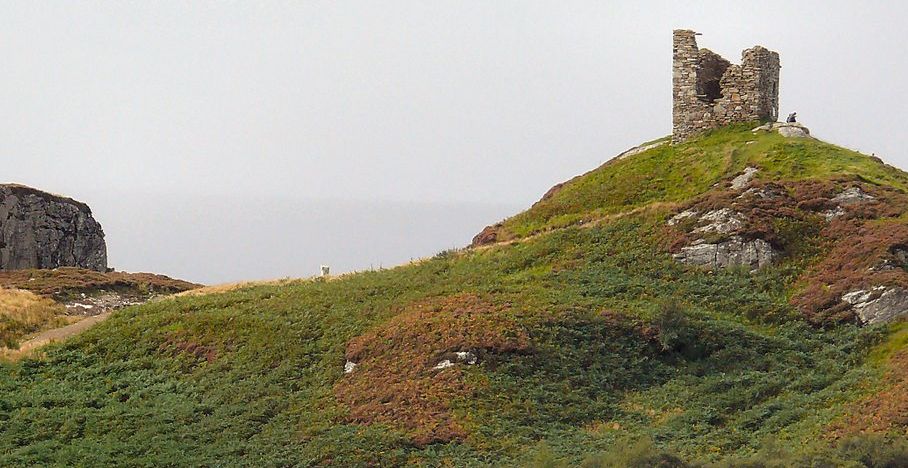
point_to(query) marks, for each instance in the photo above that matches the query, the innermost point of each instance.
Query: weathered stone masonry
(710, 92)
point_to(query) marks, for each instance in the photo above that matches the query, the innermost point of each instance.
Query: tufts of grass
(23, 313)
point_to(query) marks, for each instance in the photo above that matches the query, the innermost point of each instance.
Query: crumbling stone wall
(710, 92)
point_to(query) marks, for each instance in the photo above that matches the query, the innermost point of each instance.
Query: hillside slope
(589, 329)
(34, 301)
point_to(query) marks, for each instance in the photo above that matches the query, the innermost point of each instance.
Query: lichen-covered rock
(41, 230)
(879, 304)
(786, 129)
(851, 195)
(744, 178)
(721, 221)
(736, 251)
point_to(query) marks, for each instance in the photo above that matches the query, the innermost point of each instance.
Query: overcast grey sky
(178, 121)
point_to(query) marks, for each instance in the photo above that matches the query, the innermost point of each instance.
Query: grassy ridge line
(674, 173)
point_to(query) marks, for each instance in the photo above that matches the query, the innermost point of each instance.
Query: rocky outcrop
(879, 304)
(734, 252)
(786, 129)
(41, 230)
(489, 235)
(642, 148)
(742, 180)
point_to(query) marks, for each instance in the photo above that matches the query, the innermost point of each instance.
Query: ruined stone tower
(710, 92)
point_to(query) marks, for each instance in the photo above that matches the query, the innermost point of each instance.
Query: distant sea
(225, 239)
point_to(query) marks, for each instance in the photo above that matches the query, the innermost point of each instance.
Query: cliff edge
(42, 230)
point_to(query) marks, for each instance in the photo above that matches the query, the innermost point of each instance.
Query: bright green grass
(676, 173)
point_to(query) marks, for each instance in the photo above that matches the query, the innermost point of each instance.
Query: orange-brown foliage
(863, 254)
(885, 411)
(174, 345)
(394, 383)
(70, 280)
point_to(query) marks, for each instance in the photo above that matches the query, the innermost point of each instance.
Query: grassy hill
(575, 338)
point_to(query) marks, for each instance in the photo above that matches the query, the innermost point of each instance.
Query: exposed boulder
(721, 221)
(851, 195)
(786, 129)
(735, 251)
(488, 235)
(879, 304)
(744, 178)
(642, 148)
(41, 230)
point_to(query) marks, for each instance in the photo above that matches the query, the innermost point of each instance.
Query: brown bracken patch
(394, 382)
(863, 254)
(885, 411)
(174, 345)
(65, 281)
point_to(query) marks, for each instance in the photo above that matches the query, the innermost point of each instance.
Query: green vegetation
(594, 347)
(676, 173)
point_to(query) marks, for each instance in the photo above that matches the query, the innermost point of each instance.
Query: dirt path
(59, 334)
(587, 224)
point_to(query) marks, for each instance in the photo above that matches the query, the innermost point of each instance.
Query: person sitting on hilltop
(792, 117)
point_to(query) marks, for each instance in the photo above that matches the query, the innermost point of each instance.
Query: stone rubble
(786, 129)
(104, 301)
(678, 218)
(852, 195)
(465, 357)
(847, 197)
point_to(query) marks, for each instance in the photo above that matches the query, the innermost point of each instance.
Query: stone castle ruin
(710, 92)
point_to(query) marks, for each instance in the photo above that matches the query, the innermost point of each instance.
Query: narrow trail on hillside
(584, 225)
(59, 334)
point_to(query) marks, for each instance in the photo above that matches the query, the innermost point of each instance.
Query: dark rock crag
(42, 230)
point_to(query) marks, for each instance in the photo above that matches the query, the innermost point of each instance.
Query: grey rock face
(851, 195)
(878, 305)
(41, 230)
(640, 149)
(742, 180)
(786, 129)
(753, 254)
(722, 221)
